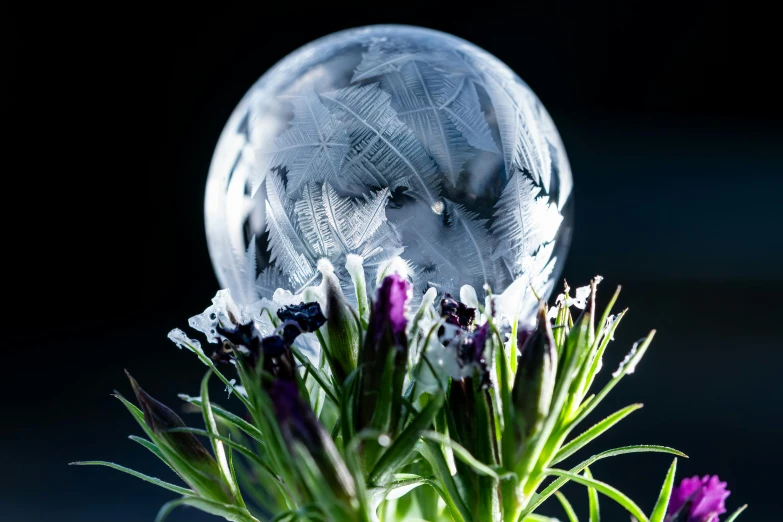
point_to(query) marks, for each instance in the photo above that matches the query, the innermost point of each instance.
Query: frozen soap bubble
(390, 141)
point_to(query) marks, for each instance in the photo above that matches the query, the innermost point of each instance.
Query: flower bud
(302, 318)
(183, 451)
(299, 425)
(384, 356)
(342, 334)
(534, 382)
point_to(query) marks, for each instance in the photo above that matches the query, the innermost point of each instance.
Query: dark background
(671, 118)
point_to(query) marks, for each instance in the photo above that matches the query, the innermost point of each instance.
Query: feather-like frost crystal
(390, 141)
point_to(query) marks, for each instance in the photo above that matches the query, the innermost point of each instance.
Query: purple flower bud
(160, 418)
(299, 425)
(698, 500)
(534, 382)
(193, 462)
(389, 307)
(456, 312)
(384, 358)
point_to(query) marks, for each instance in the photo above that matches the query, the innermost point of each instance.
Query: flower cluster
(445, 412)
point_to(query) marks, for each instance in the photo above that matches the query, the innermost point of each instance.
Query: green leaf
(152, 480)
(465, 456)
(211, 365)
(405, 443)
(227, 511)
(659, 511)
(602, 345)
(149, 445)
(318, 375)
(153, 448)
(228, 442)
(627, 366)
(592, 498)
(606, 313)
(449, 493)
(217, 444)
(558, 483)
(606, 489)
(228, 417)
(134, 410)
(734, 515)
(593, 433)
(567, 507)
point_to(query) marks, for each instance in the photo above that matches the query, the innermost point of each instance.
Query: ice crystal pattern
(389, 141)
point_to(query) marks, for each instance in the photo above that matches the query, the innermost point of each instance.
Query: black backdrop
(671, 120)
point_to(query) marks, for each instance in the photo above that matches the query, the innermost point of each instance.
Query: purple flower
(245, 335)
(471, 352)
(457, 312)
(304, 317)
(698, 500)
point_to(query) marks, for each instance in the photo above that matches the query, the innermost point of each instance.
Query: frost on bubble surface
(390, 141)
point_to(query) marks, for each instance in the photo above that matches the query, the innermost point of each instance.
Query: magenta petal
(706, 497)
(710, 500)
(390, 305)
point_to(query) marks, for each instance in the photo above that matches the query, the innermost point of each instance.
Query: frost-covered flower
(307, 315)
(471, 353)
(698, 500)
(300, 318)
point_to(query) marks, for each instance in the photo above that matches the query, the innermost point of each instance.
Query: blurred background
(672, 122)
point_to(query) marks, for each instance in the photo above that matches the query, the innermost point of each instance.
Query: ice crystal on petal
(628, 364)
(179, 338)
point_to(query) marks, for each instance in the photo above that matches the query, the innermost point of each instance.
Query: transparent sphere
(389, 141)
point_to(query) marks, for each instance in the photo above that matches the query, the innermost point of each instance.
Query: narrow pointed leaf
(400, 450)
(592, 498)
(152, 480)
(567, 507)
(217, 445)
(593, 433)
(229, 417)
(626, 367)
(734, 515)
(659, 511)
(227, 511)
(464, 455)
(558, 483)
(606, 489)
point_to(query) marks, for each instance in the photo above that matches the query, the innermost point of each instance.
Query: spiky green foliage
(388, 424)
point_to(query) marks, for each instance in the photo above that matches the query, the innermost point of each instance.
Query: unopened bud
(193, 462)
(534, 383)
